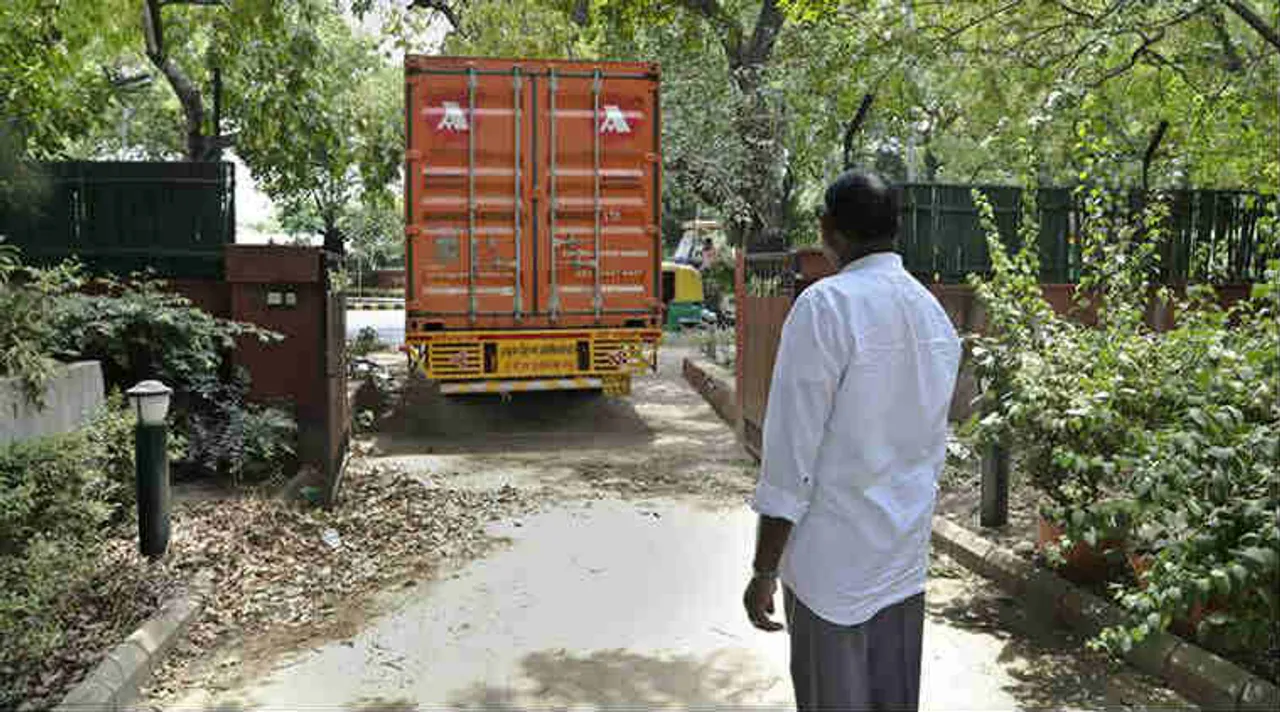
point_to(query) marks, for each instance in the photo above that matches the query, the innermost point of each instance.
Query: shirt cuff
(771, 501)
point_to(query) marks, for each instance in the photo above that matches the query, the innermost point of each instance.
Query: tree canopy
(759, 96)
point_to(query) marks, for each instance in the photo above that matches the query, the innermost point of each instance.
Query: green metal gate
(122, 217)
(1212, 235)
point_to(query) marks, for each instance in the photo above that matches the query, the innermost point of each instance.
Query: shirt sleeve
(811, 359)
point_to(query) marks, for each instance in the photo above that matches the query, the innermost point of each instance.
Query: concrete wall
(70, 400)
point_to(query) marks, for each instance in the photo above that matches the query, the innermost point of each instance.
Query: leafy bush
(25, 329)
(366, 342)
(139, 331)
(57, 495)
(1167, 442)
(269, 437)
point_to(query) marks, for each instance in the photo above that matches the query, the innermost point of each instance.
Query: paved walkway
(632, 599)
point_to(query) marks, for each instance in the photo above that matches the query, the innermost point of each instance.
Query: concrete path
(615, 596)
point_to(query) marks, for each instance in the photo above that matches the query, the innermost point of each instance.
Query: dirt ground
(618, 586)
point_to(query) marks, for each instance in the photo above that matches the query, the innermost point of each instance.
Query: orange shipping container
(532, 194)
(532, 197)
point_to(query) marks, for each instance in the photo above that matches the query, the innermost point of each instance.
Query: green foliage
(139, 331)
(25, 329)
(366, 342)
(52, 86)
(375, 234)
(111, 439)
(269, 443)
(321, 120)
(57, 494)
(970, 82)
(1166, 441)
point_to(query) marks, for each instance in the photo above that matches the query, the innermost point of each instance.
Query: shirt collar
(876, 261)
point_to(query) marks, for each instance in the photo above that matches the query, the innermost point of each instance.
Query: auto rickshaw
(682, 295)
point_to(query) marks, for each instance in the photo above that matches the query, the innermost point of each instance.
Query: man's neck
(860, 251)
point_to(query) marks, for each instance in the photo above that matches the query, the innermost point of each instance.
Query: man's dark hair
(862, 207)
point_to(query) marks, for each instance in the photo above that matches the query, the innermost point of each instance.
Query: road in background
(388, 322)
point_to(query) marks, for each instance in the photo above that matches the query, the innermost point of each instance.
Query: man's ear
(826, 223)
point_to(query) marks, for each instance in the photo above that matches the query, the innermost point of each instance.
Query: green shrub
(366, 342)
(269, 437)
(1168, 442)
(26, 331)
(137, 330)
(57, 496)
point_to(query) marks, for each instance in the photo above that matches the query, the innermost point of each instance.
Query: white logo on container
(454, 119)
(614, 121)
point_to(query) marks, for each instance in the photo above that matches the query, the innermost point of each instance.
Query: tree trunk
(760, 124)
(187, 92)
(333, 240)
(931, 165)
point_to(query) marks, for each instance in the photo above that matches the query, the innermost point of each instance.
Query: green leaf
(1239, 573)
(1265, 559)
(1221, 581)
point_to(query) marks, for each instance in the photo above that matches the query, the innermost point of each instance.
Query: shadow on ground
(424, 421)
(373, 704)
(1051, 666)
(621, 679)
(611, 679)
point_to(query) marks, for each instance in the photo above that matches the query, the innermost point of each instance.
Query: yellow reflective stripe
(543, 384)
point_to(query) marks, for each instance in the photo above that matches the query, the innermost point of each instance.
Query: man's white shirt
(855, 437)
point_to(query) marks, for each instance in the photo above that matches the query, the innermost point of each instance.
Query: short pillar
(151, 403)
(995, 486)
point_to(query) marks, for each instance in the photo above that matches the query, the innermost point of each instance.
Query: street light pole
(151, 403)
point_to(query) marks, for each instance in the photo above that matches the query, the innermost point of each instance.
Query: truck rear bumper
(498, 356)
(523, 386)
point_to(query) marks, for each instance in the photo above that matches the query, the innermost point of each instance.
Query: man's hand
(758, 600)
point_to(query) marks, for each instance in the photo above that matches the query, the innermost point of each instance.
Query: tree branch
(187, 92)
(1129, 63)
(1174, 67)
(1076, 12)
(956, 32)
(1254, 20)
(731, 32)
(1231, 57)
(765, 35)
(440, 6)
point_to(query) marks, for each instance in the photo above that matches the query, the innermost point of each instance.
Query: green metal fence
(121, 217)
(1212, 235)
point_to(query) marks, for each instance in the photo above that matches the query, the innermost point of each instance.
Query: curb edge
(114, 682)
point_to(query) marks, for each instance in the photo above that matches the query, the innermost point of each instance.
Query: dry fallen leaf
(271, 567)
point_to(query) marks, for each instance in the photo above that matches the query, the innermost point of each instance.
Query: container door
(467, 184)
(598, 170)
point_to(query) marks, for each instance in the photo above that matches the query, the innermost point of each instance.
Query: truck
(532, 223)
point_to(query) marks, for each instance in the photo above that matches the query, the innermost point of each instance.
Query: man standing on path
(854, 438)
